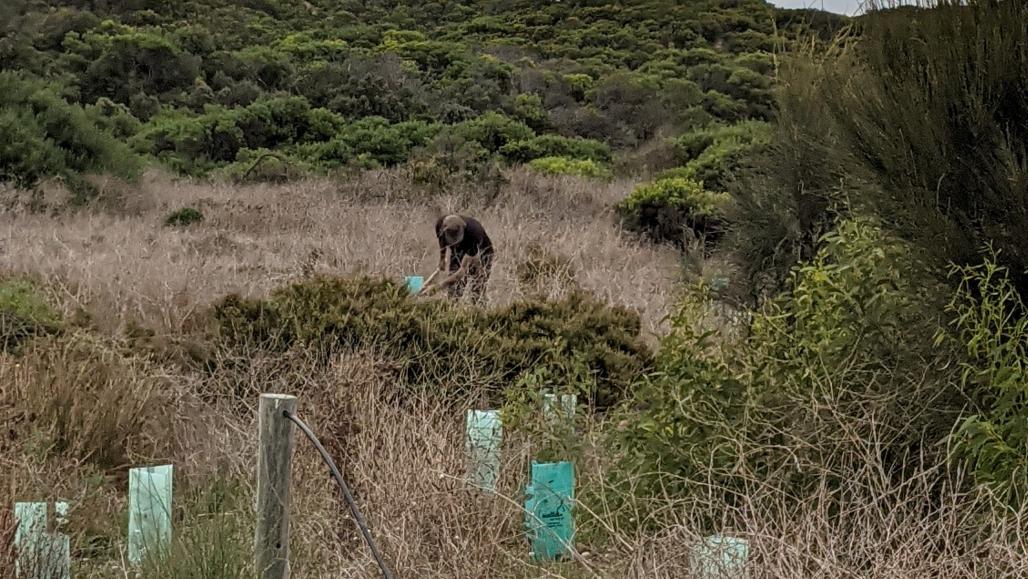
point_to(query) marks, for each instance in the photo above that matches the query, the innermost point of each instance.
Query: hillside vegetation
(779, 257)
(215, 86)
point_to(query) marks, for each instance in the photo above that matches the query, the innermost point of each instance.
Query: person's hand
(427, 290)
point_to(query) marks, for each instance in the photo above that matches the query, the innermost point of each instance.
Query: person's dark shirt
(475, 240)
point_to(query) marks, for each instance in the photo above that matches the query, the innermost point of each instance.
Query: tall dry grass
(123, 266)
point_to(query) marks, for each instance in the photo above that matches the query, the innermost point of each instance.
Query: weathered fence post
(274, 463)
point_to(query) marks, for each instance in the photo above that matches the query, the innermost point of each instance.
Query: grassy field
(780, 257)
(125, 274)
(117, 390)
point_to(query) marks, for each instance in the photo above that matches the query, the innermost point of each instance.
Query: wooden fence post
(274, 464)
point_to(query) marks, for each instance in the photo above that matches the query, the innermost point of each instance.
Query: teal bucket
(415, 283)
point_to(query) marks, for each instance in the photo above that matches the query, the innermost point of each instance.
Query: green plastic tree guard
(565, 409)
(149, 528)
(720, 557)
(548, 505)
(484, 435)
(41, 554)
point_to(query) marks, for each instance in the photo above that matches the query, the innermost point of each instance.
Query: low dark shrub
(184, 217)
(23, 314)
(430, 340)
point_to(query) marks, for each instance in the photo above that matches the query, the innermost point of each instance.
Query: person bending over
(466, 254)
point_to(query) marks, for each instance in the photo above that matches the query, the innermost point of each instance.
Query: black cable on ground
(346, 493)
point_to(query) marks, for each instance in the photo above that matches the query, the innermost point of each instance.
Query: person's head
(453, 229)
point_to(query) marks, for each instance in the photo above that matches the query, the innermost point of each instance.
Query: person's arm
(466, 264)
(443, 258)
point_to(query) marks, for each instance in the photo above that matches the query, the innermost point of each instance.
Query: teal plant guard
(484, 434)
(720, 557)
(41, 554)
(548, 505)
(415, 283)
(150, 492)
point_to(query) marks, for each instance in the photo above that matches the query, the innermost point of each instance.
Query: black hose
(346, 493)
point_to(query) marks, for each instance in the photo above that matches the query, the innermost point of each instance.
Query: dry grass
(125, 267)
(404, 461)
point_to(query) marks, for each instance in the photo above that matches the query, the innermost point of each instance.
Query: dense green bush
(23, 314)
(371, 140)
(127, 64)
(925, 107)
(556, 146)
(565, 166)
(435, 342)
(364, 86)
(992, 326)
(714, 155)
(670, 209)
(46, 136)
(200, 75)
(198, 144)
(492, 131)
(846, 357)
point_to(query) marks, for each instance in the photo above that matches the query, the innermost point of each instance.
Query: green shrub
(991, 325)
(667, 209)
(23, 314)
(45, 136)
(844, 365)
(556, 146)
(714, 155)
(492, 131)
(115, 118)
(137, 62)
(364, 86)
(528, 108)
(692, 145)
(264, 166)
(565, 166)
(195, 145)
(374, 138)
(184, 217)
(883, 103)
(434, 343)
